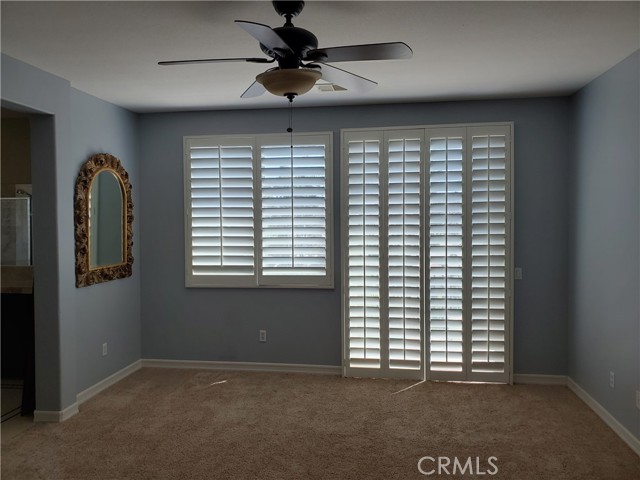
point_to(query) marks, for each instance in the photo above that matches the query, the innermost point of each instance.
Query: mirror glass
(106, 220)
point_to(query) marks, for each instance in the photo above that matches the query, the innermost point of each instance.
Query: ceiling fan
(300, 62)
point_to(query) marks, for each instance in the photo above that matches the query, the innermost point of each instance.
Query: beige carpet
(196, 424)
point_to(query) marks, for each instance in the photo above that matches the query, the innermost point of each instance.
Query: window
(427, 235)
(258, 213)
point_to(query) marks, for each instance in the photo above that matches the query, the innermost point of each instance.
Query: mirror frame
(85, 275)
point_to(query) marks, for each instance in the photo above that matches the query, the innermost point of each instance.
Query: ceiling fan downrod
(288, 10)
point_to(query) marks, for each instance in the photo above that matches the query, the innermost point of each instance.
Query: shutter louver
(489, 300)
(446, 253)
(294, 210)
(363, 257)
(404, 287)
(221, 201)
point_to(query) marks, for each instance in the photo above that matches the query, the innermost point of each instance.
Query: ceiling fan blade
(348, 80)
(217, 60)
(265, 35)
(255, 90)
(352, 53)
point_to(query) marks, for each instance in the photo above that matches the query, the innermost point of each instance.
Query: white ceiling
(462, 50)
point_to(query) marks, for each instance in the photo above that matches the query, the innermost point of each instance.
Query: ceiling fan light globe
(284, 82)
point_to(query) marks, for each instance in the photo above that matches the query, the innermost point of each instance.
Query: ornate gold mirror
(103, 217)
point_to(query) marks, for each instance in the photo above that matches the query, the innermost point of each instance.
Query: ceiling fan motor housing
(300, 41)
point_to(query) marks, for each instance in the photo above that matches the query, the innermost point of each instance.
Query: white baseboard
(107, 382)
(71, 410)
(244, 366)
(614, 424)
(528, 379)
(55, 416)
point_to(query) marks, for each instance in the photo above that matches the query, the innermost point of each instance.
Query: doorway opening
(18, 318)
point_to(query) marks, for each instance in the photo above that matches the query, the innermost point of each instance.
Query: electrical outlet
(263, 336)
(104, 349)
(612, 379)
(638, 399)
(517, 272)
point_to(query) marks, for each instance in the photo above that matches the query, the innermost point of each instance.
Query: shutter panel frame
(362, 196)
(404, 201)
(444, 180)
(289, 278)
(497, 166)
(216, 276)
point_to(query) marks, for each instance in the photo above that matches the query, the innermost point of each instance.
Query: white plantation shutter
(361, 200)
(255, 216)
(220, 204)
(404, 245)
(294, 207)
(444, 193)
(383, 315)
(446, 282)
(469, 254)
(490, 224)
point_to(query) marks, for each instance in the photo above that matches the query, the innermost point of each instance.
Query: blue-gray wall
(604, 326)
(107, 312)
(70, 323)
(304, 325)
(47, 96)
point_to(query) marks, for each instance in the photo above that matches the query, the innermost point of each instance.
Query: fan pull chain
(290, 130)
